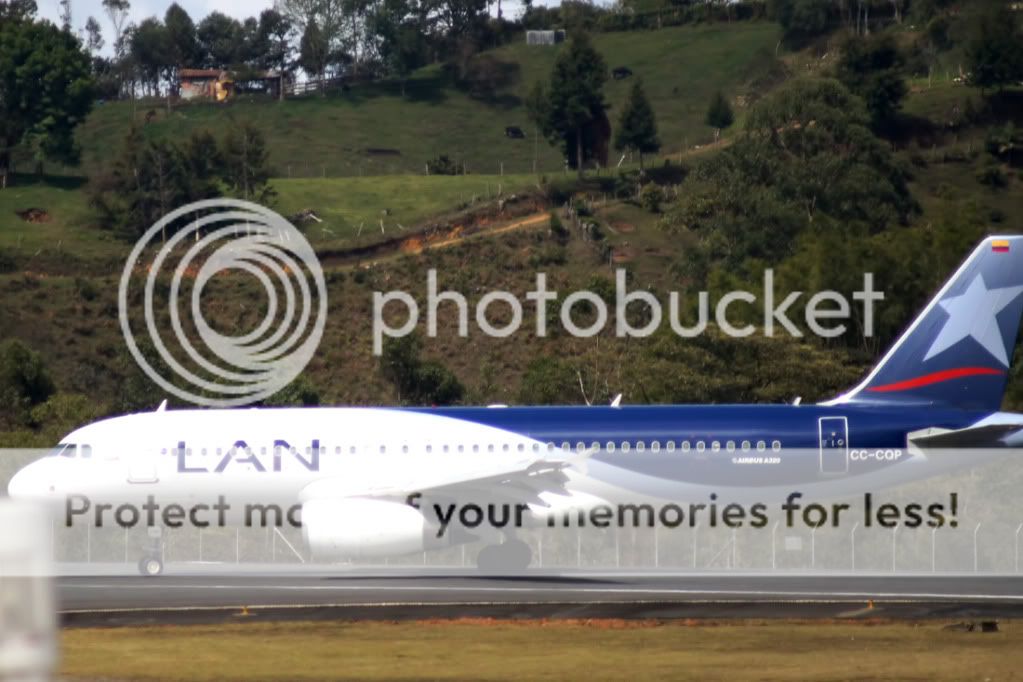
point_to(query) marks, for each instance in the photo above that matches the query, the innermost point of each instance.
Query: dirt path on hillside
(419, 242)
(528, 221)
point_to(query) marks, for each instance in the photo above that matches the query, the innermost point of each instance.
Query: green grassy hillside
(352, 210)
(329, 136)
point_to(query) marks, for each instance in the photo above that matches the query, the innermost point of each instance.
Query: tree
(637, 128)
(46, 90)
(17, 10)
(204, 166)
(182, 41)
(94, 36)
(274, 46)
(401, 40)
(313, 50)
(537, 107)
(221, 40)
(24, 381)
(802, 20)
(143, 183)
(327, 43)
(806, 158)
(246, 163)
(872, 68)
(549, 381)
(151, 51)
(994, 47)
(719, 114)
(117, 12)
(149, 48)
(416, 381)
(575, 99)
(65, 15)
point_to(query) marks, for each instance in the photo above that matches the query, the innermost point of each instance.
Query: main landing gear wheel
(150, 566)
(513, 555)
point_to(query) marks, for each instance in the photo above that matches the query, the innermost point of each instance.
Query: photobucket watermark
(193, 245)
(825, 313)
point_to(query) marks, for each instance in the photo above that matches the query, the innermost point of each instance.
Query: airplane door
(834, 444)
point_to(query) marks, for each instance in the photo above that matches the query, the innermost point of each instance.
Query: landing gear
(150, 566)
(151, 563)
(511, 555)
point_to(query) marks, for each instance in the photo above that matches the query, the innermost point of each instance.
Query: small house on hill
(545, 37)
(213, 84)
(220, 85)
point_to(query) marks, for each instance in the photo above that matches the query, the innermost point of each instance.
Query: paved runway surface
(213, 597)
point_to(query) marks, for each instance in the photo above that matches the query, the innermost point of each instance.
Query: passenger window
(86, 451)
(700, 447)
(715, 446)
(776, 446)
(655, 446)
(671, 446)
(685, 446)
(761, 446)
(730, 445)
(640, 446)
(475, 448)
(610, 446)
(580, 446)
(745, 446)
(594, 446)
(625, 446)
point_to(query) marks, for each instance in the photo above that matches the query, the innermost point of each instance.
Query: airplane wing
(519, 481)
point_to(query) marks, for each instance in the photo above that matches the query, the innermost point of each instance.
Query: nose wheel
(150, 566)
(151, 563)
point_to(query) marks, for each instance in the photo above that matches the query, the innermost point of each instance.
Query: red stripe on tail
(936, 377)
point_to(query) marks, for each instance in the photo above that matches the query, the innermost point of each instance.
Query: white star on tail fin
(974, 314)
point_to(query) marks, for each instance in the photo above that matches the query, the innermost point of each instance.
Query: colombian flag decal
(1000, 246)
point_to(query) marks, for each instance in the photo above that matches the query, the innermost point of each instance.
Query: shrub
(651, 197)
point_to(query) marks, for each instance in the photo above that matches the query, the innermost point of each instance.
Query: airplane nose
(27, 484)
(17, 485)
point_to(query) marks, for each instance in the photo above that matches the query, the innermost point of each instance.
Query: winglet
(617, 402)
(163, 406)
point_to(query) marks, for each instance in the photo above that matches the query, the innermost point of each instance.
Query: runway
(408, 594)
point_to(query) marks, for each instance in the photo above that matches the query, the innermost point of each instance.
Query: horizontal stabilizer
(986, 436)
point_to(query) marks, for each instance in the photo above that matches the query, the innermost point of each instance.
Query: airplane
(374, 482)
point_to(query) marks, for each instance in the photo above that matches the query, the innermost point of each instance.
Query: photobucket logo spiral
(211, 239)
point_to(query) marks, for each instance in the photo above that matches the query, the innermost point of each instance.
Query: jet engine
(363, 528)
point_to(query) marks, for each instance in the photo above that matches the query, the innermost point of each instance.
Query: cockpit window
(64, 450)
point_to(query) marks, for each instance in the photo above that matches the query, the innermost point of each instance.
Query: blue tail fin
(957, 353)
